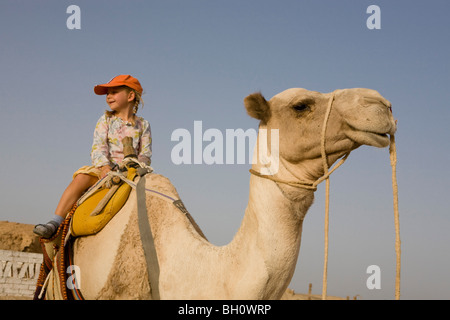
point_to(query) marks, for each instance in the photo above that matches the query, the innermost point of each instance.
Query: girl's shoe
(46, 230)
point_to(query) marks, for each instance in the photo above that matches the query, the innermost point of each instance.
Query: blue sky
(197, 60)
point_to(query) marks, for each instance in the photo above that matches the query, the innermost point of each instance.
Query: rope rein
(327, 198)
(313, 186)
(393, 158)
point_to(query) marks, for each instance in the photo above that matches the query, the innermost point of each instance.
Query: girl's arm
(100, 151)
(104, 171)
(145, 150)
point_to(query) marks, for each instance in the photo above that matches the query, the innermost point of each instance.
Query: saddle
(94, 213)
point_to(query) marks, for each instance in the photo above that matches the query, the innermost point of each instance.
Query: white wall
(19, 272)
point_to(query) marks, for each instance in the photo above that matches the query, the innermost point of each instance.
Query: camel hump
(162, 184)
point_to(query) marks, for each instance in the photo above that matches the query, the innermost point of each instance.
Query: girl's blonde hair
(137, 101)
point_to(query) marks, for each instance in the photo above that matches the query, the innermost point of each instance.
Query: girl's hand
(104, 171)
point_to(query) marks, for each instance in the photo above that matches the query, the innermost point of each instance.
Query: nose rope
(393, 158)
(313, 186)
(327, 199)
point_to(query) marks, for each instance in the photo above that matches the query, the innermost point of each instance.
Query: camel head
(357, 117)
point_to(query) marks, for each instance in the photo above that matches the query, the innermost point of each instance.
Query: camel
(259, 261)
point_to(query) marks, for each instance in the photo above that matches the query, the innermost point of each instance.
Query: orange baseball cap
(120, 80)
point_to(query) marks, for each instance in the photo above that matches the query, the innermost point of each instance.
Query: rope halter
(308, 184)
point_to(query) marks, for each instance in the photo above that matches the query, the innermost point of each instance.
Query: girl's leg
(72, 193)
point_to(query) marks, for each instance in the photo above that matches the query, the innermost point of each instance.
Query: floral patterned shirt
(107, 148)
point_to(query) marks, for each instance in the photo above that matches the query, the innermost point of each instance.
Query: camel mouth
(375, 139)
(382, 136)
(370, 138)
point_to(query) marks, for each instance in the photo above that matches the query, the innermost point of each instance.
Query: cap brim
(102, 89)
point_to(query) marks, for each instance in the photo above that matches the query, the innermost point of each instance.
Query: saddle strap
(148, 243)
(105, 200)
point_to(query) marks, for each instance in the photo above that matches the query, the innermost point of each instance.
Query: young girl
(123, 95)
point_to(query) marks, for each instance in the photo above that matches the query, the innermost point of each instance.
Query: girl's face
(119, 99)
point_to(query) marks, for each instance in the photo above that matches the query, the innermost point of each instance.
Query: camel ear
(257, 107)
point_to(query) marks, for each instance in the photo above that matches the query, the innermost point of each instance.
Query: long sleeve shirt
(107, 148)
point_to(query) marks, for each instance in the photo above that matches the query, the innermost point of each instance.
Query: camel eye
(301, 107)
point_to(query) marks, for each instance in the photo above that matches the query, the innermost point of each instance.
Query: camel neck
(282, 207)
(271, 229)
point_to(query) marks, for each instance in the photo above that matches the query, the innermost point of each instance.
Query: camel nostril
(373, 100)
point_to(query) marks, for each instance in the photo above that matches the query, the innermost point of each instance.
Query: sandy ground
(18, 237)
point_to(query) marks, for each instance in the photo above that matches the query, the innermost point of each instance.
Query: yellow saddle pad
(83, 224)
